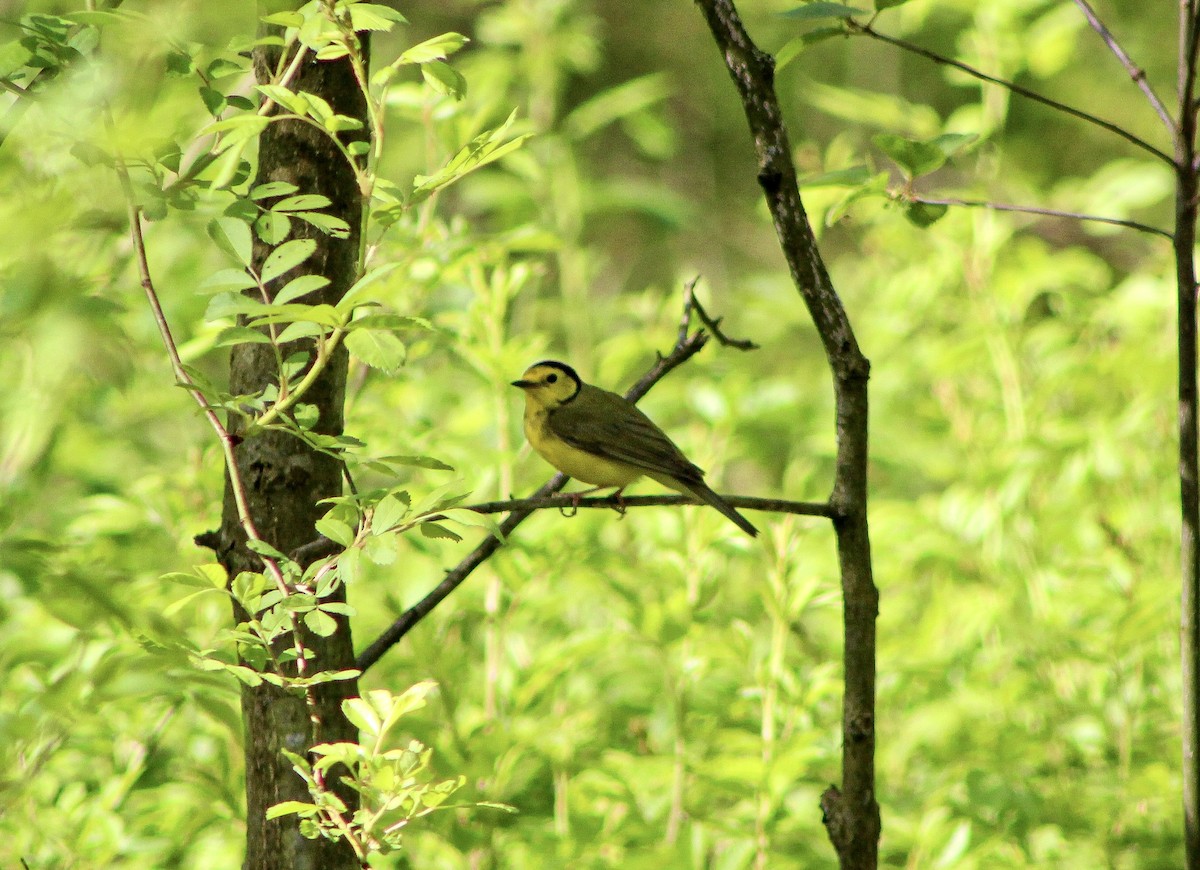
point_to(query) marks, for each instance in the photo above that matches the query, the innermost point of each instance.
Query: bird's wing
(608, 425)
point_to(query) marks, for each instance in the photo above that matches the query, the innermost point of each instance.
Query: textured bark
(285, 480)
(1186, 192)
(851, 812)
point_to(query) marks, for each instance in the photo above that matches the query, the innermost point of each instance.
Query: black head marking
(567, 371)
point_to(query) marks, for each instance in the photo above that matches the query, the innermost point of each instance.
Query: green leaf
(332, 51)
(337, 531)
(480, 151)
(264, 549)
(412, 699)
(298, 287)
(227, 280)
(284, 19)
(302, 202)
(923, 214)
(290, 100)
(362, 715)
(341, 123)
(617, 102)
(300, 329)
(472, 518)
(913, 157)
(378, 349)
(229, 166)
(246, 675)
(272, 227)
(287, 808)
(232, 237)
(272, 188)
(418, 461)
(391, 321)
(372, 16)
(232, 335)
(433, 530)
(320, 623)
(359, 287)
(330, 677)
(214, 101)
(387, 514)
(437, 48)
(223, 66)
(238, 129)
(852, 176)
(306, 415)
(326, 223)
(818, 10)
(232, 304)
(292, 312)
(187, 579)
(318, 108)
(287, 256)
(952, 143)
(880, 5)
(444, 79)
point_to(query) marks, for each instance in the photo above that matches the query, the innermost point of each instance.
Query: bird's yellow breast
(576, 463)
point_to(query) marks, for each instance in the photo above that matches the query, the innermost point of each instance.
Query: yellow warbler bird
(603, 439)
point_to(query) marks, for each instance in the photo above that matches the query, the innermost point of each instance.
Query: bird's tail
(706, 495)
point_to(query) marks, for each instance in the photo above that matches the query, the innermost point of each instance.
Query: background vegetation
(655, 690)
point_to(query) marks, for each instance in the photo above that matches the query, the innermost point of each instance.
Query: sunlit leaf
(287, 256)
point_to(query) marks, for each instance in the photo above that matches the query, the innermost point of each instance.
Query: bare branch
(1049, 212)
(713, 326)
(867, 30)
(851, 812)
(1135, 72)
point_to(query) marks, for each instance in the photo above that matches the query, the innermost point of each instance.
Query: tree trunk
(285, 480)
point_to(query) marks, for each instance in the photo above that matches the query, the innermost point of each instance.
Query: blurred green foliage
(653, 691)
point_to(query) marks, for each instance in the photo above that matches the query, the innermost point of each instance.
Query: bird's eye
(551, 378)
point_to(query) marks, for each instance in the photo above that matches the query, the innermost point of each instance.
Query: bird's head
(549, 384)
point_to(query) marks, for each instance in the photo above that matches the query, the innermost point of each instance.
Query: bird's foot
(618, 500)
(576, 497)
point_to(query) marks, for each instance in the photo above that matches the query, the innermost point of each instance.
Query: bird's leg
(575, 499)
(618, 498)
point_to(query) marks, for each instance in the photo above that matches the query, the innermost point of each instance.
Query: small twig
(1135, 72)
(714, 324)
(1049, 212)
(867, 30)
(686, 347)
(226, 438)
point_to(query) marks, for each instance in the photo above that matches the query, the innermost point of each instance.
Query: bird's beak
(524, 385)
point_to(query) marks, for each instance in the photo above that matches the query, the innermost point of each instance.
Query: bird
(603, 439)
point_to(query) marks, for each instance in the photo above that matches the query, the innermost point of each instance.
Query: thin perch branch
(1049, 212)
(567, 500)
